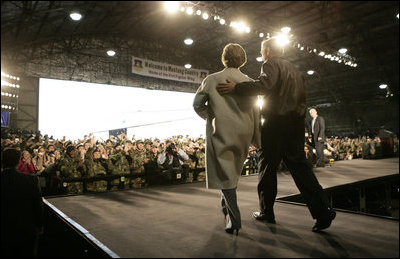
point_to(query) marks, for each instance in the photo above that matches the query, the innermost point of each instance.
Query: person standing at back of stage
(232, 125)
(21, 209)
(318, 132)
(282, 133)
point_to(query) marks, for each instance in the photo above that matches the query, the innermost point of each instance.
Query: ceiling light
(188, 66)
(189, 11)
(310, 72)
(321, 53)
(222, 21)
(247, 29)
(382, 86)
(261, 34)
(182, 9)
(286, 30)
(205, 16)
(171, 6)
(75, 16)
(198, 12)
(259, 59)
(188, 41)
(111, 53)
(342, 51)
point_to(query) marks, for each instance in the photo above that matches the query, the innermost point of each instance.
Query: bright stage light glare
(222, 21)
(189, 11)
(282, 40)
(310, 72)
(260, 102)
(188, 66)
(205, 16)
(171, 6)
(198, 12)
(383, 86)
(261, 35)
(286, 30)
(342, 51)
(188, 41)
(259, 59)
(240, 26)
(247, 29)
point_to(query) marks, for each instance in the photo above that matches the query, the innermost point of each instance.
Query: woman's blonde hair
(233, 55)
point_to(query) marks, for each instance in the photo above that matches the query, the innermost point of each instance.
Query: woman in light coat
(232, 125)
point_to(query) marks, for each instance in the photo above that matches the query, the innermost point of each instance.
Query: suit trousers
(231, 209)
(283, 137)
(319, 148)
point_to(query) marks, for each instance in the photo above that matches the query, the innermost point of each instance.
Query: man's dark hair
(10, 158)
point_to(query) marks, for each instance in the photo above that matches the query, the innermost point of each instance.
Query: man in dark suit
(318, 131)
(282, 134)
(21, 208)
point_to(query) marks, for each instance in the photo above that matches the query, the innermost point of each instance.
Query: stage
(185, 220)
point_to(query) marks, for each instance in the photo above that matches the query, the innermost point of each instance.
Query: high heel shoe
(232, 230)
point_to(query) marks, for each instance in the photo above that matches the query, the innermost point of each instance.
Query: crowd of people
(74, 167)
(87, 164)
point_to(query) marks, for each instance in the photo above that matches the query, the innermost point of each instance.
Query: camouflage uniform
(120, 167)
(138, 166)
(69, 168)
(201, 164)
(97, 167)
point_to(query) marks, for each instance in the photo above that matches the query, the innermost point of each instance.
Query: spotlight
(259, 59)
(198, 12)
(188, 41)
(222, 21)
(286, 30)
(343, 50)
(188, 66)
(302, 48)
(261, 34)
(111, 53)
(310, 72)
(247, 29)
(382, 86)
(75, 16)
(189, 11)
(171, 6)
(282, 40)
(205, 16)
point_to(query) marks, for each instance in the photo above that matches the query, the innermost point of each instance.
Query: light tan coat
(232, 125)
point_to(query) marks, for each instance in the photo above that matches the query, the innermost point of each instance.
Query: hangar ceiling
(38, 38)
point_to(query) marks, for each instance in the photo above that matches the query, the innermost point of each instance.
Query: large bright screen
(74, 109)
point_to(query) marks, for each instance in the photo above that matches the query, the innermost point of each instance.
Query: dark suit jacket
(282, 86)
(319, 129)
(21, 209)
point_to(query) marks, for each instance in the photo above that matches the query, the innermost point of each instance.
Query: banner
(5, 119)
(156, 69)
(116, 132)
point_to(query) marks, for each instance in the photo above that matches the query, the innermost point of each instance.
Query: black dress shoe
(261, 216)
(324, 222)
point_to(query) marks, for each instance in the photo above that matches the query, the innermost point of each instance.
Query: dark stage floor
(186, 220)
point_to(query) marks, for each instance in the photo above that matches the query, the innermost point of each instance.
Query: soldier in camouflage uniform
(72, 167)
(120, 167)
(138, 160)
(97, 166)
(201, 155)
